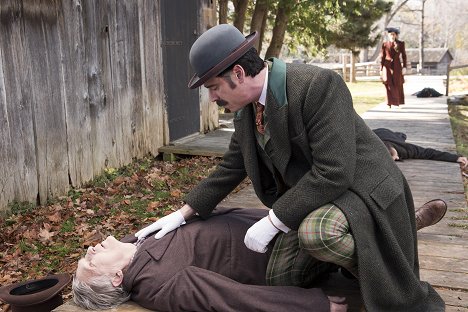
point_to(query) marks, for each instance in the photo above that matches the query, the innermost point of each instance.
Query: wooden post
(448, 79)
(352, 68)
(344, 65)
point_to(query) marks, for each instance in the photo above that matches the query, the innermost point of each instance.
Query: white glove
(403, 71)
(165, 225)
(262, 232)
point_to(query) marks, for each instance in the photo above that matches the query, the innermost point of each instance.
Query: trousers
(323, 239)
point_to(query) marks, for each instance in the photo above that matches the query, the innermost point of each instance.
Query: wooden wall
(81, 89)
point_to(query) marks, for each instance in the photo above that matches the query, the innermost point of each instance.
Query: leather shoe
(430, 213)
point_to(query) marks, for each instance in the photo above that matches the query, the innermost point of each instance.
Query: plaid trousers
(323, 238)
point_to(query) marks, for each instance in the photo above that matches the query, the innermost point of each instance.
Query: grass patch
(366, 95)
(25, 247)
(459, 121)
(21, 207)
(458, 81)
(68, 226)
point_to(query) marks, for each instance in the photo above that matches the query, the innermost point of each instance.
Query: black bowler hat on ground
(393, 30)
(40, 295)
(217, 49)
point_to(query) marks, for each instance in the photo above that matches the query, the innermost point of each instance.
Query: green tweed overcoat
(325, 153)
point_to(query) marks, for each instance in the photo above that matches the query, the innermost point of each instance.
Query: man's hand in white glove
(166, 224)
(263, 231)
(403, 71)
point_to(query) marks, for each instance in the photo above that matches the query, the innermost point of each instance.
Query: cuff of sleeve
(277, 222)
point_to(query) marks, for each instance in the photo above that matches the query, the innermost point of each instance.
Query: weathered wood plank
(454, 299)
(445, 263)
(104, 111)
(6, 152)
(154, 126)
(128, 306)
(454, 251)
(446, 279)
(19, 105)
(81, 89)
(43, 55)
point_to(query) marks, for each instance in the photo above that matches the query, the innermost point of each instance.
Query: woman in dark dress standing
(393, 67)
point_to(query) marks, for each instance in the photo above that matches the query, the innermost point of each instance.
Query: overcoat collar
(146, 252)
(277, 111)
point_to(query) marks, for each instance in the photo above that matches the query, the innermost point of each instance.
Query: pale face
(392, 36)
(107, 258)
(228, 92)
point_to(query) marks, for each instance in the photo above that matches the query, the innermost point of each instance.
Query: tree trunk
(240, 8)
(223, 11)
(352, 68)
(421, 42)
(258, 21)
(279, 30)
(262, 32)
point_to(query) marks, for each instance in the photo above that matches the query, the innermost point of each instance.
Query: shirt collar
(262, 99)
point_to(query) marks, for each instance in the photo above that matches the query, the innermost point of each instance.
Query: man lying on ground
(203, 266)
(400, 149)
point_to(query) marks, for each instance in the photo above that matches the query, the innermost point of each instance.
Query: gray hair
(98, 293)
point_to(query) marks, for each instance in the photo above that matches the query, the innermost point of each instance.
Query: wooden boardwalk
(443, 248)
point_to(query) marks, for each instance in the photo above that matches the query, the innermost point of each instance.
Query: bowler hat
(393, 30)
(40, 295)
(217, 49)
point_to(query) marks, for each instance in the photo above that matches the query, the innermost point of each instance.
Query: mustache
(221, 103)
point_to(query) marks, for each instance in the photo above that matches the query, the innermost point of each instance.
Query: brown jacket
(325, 153)
(205, 266)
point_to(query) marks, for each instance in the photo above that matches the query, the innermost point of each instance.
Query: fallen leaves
(45, 234)
(52, 238)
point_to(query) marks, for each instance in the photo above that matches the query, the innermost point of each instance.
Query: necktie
(259, 118)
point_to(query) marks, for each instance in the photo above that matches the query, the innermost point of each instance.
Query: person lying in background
(399, 149)
(190, 269)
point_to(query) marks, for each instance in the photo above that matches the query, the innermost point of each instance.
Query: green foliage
(357, 18)
(16, 207)
(26, 247)
(459, 121)
(68, 226)
(311, 24)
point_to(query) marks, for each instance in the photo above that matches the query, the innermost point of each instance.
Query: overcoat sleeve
(196, 289)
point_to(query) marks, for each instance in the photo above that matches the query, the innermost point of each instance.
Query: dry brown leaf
(30, 234)
(176, 193)
(92, 238)
(112, 191)
(56, 217)
(45, 235)
(152, 206)
(119, 180)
